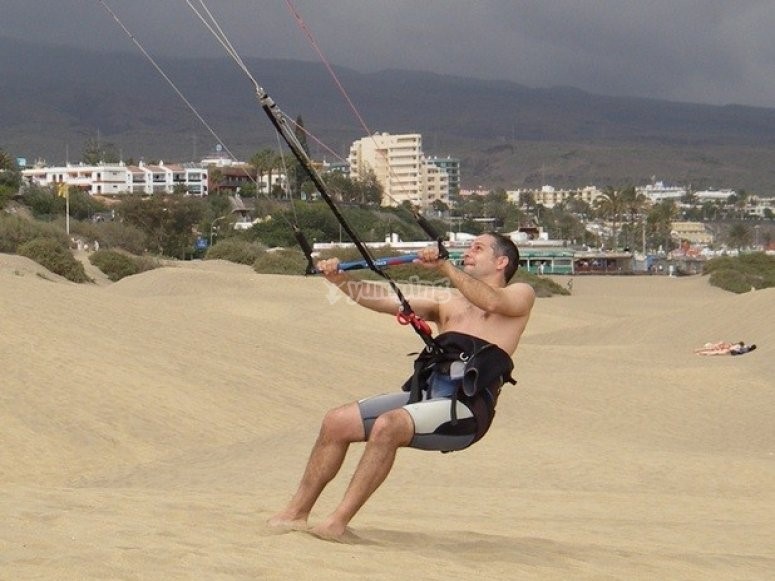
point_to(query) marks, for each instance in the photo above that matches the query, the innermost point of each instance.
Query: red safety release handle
(415, 321)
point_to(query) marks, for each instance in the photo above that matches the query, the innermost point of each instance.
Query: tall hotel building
(401, 168)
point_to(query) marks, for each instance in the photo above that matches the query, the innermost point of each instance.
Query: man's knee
(394, 427)
(343, 423)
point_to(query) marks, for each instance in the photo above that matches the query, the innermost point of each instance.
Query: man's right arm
(372, 295)
(367, 294)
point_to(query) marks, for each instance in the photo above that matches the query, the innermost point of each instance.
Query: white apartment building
(116, 179)
(658, 191)
(713, 195)
(401, 168)
(549, 196)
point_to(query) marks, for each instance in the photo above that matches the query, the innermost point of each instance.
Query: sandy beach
(150, 427)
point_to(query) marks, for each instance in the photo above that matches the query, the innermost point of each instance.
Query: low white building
(713, 195)
(759, 206)
(117, 179)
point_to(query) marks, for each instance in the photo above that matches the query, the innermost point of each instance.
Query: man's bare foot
(335, 534)
(284, 524)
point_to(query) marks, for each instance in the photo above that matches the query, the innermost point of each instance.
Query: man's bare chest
(459, 311)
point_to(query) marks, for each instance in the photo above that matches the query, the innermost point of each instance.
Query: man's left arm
(514, 300)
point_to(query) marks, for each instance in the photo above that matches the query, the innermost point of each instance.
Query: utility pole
(64, 190)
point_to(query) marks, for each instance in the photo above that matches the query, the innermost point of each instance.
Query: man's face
(480, 257)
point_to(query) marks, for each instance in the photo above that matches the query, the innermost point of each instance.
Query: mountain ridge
(53, 99)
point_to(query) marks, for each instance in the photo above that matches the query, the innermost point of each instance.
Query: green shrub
(6, 195)
(543, 287)
(15, 231)
(741, 273)
(111, 235)
(720, 263)
(44, 203)
(122, 235)
(757, 263)
(114, 264)
(281, 262)
(235, 250)
(117, 265)
(730, 280)
(146, 262)
(54, 256)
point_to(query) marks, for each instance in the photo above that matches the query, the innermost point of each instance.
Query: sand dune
(151, 426)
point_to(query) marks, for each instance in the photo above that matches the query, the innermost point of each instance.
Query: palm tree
(739, 236)
(215, 177)
(6, 162)
(298, 174)
(276, 162)
(609, 207)
(262, 161)
(690, 198)
(634, 205)
(660, 220)
(10, 177)
(578, 208)
(741, 201)
(709, 210)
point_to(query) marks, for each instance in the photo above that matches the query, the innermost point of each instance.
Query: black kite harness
(481, 367)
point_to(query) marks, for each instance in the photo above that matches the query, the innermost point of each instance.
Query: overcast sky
(704, 51)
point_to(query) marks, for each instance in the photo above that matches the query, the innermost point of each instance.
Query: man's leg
(341, 426)
(391, 431)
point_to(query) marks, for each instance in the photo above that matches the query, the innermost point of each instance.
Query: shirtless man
(485, 309)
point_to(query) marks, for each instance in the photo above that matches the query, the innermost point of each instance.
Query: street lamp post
(67, 211)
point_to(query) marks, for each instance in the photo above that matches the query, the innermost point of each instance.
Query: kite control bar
(378, 262)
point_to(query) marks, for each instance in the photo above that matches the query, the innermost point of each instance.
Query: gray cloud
(707, 51)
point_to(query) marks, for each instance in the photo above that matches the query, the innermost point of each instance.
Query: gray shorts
(432, 417)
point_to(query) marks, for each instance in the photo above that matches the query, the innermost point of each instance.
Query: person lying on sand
(725, 348)
(481, 325)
